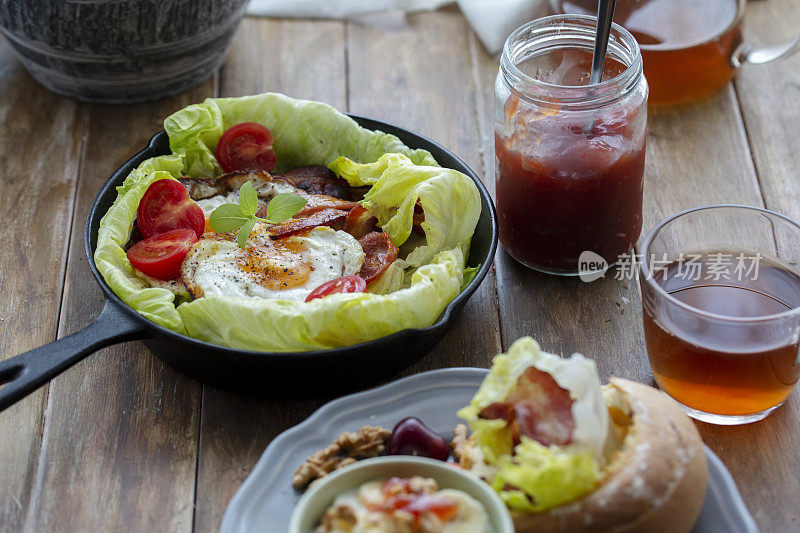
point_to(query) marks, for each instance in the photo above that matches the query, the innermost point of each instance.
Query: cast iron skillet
(265, 374)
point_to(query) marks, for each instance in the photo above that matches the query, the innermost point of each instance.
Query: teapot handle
(747, 54)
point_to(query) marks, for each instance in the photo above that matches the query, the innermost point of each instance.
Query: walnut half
(369, 441)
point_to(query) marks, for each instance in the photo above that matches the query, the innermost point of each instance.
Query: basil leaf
(244, 233)
(227, 217)
(248, 199)
(284, 205)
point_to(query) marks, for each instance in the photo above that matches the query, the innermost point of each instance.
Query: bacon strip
(418, 219)
(322, 210)
(538, 408)
(360, 222)
(293, 226)
(318, 202)
(316, 179)
(380, 253)
(314, 203)
(308, 180)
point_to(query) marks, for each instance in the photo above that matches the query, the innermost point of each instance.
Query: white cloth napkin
(492, 20)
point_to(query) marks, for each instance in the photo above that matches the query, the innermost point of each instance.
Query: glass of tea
(721, 310)
(570, 155)
(691, 48)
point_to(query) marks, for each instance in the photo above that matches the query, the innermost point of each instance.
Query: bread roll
(656, 481)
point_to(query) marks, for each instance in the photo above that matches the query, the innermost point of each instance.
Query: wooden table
(122, 442)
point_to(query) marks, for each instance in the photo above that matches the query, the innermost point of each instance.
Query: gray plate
(266, 499)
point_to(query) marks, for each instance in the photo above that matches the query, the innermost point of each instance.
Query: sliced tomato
(160, 256)
(246, 146)
(166, 206)
(380, 253)
(343, 284)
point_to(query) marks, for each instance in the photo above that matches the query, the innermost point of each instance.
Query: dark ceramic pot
(120, 51)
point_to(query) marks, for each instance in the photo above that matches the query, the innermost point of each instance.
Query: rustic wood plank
(244, 433)
(682, 171)
(685, 167)
(420, 77)
(120, 435)
(39, 146)
(769, 96)
(766, 454)
(304, 59)
(695, 156)
(564, 315)
(120, 431)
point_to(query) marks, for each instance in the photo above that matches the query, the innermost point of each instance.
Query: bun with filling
(566, 454)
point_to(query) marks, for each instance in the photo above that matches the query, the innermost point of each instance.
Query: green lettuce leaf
(469, 275)
(449, 199)
(337, 320)
(305, 133)
(391, 280)
(411, 294)
(544, 477)
(156, 304)
(549, 475)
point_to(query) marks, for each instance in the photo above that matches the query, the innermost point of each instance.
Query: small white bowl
(309, 510)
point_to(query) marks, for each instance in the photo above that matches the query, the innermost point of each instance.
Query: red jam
(569, 181)
(583, 194)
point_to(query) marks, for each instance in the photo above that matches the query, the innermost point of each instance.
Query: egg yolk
(278, 265)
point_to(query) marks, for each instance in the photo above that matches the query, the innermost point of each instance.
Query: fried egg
(209, 204)
(287, 268)
(175, 286)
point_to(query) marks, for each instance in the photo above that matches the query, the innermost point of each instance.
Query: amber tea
(686, 45)
(715, 367)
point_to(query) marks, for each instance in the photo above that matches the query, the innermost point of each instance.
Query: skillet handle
(22, 374)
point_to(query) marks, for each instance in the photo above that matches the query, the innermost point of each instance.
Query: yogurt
(404, 505)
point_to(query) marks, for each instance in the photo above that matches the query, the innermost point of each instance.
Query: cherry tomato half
(160, 256)
(166, 206)
(246, 146)
(343, 284)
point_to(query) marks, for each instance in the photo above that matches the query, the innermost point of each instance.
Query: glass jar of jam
(570, 155)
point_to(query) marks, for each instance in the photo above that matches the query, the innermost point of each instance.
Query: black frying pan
(297, 374)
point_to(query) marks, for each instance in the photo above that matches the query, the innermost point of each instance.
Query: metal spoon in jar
(605, 14)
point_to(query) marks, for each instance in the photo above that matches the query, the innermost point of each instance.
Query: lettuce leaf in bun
(530, 472)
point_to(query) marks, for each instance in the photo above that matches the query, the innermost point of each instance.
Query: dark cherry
(411, 437)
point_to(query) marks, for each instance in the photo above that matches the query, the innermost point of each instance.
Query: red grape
(411, 437)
